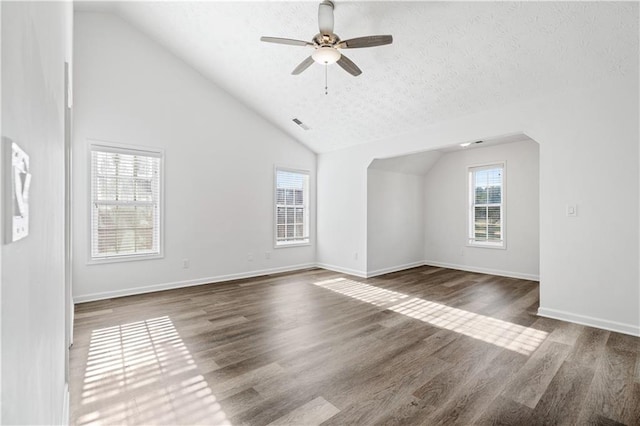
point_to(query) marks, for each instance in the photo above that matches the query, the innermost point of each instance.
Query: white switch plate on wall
(572, 210)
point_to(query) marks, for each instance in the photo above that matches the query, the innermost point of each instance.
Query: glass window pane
(480, 223)
(480, 232)
(126, 216)
(494, 177)
(144, 239)
(105, 188)
(481, 195)
(107, 217)
(125, 241)
(125, 189)
(494, 194)
(280, 215)
(143, 190)
(106, 240)
(144, 216)
(144, 167)
(289, 196)
(494, 232)
(493, 214)
(290, 215)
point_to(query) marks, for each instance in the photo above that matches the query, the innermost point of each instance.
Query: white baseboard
(394, 269)
(633, 330)
(479, 270)
(65, 406)
(188, 283)
(82, 298)
(340, 269)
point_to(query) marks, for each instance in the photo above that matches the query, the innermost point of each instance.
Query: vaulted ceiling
(448, 58)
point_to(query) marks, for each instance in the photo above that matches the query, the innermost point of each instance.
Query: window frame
(276, 244)
(471, 242)
(94, 144)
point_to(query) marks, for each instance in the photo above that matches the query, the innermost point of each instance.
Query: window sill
(119, 259)
(292, 244)
(498, 246)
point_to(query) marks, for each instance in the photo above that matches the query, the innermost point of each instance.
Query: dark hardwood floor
(422, 346)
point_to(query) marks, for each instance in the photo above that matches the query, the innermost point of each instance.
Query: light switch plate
(572, 210)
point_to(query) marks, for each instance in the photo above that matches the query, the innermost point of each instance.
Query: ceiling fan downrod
(326, 85)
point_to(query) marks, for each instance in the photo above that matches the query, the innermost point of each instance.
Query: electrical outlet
(185, 263)
(250, 257)
(267, 255)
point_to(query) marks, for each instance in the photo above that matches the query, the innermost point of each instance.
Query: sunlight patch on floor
(501, 333)
(143, 373)
(366, 293)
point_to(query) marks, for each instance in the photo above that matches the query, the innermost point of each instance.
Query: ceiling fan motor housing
(326, 39)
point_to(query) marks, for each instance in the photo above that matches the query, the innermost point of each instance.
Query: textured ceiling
(448, 58)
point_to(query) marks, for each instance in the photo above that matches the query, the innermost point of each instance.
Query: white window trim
(95, 143)
(289, 244)
(487, 244)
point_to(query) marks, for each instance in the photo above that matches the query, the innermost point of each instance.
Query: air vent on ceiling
(301, 124)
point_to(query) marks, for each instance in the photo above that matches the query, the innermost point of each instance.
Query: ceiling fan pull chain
(326, 86)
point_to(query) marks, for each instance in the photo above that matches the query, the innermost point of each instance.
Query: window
(125, 202)
(486, 205)
(292, 207)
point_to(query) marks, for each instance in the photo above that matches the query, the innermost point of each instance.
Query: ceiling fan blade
(325, 17)
(348, 65)
(303, 66)
(286, 41)
(368, 41)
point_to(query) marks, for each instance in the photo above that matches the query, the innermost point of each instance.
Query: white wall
(395, 221)
(342, 187)
(219, 163)
(446, 211)
(35, 45)
(588, 147)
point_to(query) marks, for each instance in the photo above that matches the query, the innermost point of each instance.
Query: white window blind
(292, 207)
(125, 202)
(486, 201)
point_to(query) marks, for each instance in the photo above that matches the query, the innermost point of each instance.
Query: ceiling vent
(301, 124)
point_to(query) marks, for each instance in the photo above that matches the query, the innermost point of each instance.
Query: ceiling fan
(327, 44)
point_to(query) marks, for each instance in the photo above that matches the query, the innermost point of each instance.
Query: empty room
(320, 212)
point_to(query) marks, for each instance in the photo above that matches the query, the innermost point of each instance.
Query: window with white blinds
(292, 207)
(486, 205)
(125, 202)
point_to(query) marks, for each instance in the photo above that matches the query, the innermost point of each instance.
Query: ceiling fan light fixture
(326, 55)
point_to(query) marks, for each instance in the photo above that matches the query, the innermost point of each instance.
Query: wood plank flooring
(424, 346)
